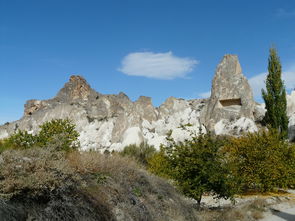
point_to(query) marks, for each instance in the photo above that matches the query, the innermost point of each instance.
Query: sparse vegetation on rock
(59, 134)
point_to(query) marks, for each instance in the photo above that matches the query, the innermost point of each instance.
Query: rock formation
(291, 115)
(110, 121)
(114, 121)
(231, 95)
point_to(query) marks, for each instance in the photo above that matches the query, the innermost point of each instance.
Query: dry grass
(130, 189)
(113, 182)
(95, 162)
(33, 170)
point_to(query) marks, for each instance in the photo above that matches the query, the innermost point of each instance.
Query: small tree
(198, 167)
(275, 95)
(58, 133)
(261, 161)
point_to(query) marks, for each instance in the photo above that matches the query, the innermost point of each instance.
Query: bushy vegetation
(254, 162)
(262, 161)
(222, 166)
(44, 180)
(141, 153)
(38, 172)
(58, 133)
(196, 166)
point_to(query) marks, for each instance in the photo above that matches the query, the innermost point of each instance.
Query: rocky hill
(114, 121)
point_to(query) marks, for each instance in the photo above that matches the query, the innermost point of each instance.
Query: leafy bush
(59, 133)
(159, 164)
(261, 161)
(22, 139)
(197, 166)
(141, 153)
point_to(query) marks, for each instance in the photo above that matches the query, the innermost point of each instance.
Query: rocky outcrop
(231, 95)
(114, 121)
(111, 121)
(291, 115)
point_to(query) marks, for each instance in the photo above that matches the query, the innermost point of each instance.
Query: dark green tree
(275, 95)
(197, 167)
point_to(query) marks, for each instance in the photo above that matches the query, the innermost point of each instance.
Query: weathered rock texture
(231, 95)
(110, 121)
(114, 121)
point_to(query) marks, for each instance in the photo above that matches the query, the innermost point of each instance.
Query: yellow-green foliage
(58, 134)
(196, 166)
(20, 139)
(159, 164)
(261, 161)
(4, 145)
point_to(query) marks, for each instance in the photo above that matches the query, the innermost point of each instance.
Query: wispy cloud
(157, 65)
(282, 13)
(205, 94)
(258, 82)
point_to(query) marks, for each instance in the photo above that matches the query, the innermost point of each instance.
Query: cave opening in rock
(231, 102)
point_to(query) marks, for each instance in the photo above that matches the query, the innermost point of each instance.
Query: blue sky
(156, 48)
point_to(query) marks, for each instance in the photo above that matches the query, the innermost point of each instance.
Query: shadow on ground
(283, 215)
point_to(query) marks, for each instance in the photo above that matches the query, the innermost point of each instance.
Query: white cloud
(205, 94)
(258, 82)
(157, 65)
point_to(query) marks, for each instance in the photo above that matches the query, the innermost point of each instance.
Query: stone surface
(231, 95)
(236, 127)
(111, 121)
(291, 104)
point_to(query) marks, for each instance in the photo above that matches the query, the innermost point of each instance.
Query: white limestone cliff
(110, 122)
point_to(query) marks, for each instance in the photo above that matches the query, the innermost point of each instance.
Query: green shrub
(196, 166)
(141, 153)
(159, 164)
(22, 139)
(262, 161)
(59, 134)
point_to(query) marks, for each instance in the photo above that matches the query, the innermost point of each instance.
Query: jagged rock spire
(76, 88)
(231, 94)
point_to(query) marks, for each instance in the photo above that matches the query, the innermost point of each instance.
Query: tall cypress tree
(275, 95)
